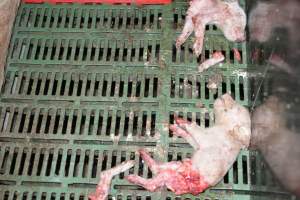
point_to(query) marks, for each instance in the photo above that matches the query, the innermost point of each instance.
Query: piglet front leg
(216, 58)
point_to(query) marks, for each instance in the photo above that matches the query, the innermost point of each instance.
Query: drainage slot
(31, 118)
(104, 160)
(39, 123)
(40, 163)
(4, 161)
(77, 159)
(62, 88)
(54, 88)
(235, 172)
(47, 126)
(100, 123)
(135, 124)
(31, 162)
(91, 123)
(118, 120)
(144, 124)
(49, 163)
(68, 160)
(121, 88)
(95, 164)
(79, 87)
(245, 170)
(13, 121)
(126, 124)
(241, 88)
(85, 164)
(56, 122)
(108, 123)
(129, 91)
(112, 88)
(82, 123)
(224, 87)
(232, 88)
(65, 124)
(104, 88)
(58, 162)
(147, 85)
(155, 87)
(172, 87)
(29, 89)
(46, 86)
(153, 119)
(21, 167)
(38, 87)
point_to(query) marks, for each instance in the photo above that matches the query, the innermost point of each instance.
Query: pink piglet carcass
(215, 150)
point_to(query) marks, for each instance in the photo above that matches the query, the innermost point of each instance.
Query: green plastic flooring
(88, 85)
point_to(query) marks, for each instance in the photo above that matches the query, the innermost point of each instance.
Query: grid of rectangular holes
(120, 17)
(196, 87)
(103, 50)
(84, 84)
(14, 195)
(186, 55)
(46, 195)
(61, 162)
(85, 122)
(88, 163)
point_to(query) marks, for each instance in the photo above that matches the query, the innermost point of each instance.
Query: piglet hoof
(178, 43)
(197, 48)
(201, 69)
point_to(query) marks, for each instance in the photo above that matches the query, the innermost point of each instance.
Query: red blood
(192, 178)
(237, 54)
(218, 55)
(179, 177)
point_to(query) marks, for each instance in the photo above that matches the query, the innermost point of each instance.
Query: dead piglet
(226, 15)
(215, 150)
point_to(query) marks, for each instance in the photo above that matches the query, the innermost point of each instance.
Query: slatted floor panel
(88, 85)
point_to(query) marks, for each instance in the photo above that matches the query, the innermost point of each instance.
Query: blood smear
(237, 54)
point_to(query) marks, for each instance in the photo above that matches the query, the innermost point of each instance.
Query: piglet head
(234, 23)
(230, 113)
(235, 117)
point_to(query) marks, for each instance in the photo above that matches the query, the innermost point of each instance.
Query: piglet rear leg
(151, 185)
(153, 165)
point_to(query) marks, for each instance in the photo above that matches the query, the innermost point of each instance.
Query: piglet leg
(186, 130)
(155, 166)
(216, 58)
(151, 185)
(103, 186)
(199, 34)
(186, 32)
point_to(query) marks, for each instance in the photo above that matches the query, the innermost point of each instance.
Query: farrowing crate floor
(87, 85)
